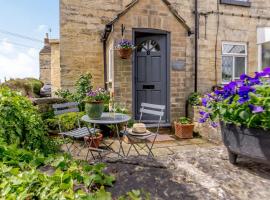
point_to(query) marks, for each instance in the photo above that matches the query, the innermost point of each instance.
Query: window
(111, 64)
(265, 54)
(234, 61)
(245, 3)
(149, 45)
(263, 41)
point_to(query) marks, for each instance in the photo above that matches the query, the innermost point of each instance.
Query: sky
(19, 57)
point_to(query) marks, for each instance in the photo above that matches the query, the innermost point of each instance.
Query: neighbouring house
(45, 62)
(233, 37)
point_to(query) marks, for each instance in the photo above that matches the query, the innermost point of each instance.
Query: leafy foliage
(27, 86)
(82, 87)
(99, 95)
(184, 120)
(244, 102)
(194, 99)
(68, 121)
(21, 176)
(20, 122)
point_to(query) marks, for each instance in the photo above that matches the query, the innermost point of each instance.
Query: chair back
(152, 109)
(65, 108)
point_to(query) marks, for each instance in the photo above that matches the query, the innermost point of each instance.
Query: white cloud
(18, 63)
(6, 47)
(42, 28)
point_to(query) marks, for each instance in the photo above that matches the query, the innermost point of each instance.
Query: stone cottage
(233, 37)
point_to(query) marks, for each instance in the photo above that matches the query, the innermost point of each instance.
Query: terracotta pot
(184, 131)
(94, 109)
(124, 53)
(94, 141)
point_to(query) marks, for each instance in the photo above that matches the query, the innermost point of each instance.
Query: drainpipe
(196, 47)
(107, 30)
(105, 64)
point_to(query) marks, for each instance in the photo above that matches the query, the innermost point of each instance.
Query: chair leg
(129, 149)
(136, 149)
(150, 150)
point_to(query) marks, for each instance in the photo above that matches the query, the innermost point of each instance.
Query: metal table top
(108, 118)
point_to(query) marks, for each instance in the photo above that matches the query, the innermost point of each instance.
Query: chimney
(46, 40)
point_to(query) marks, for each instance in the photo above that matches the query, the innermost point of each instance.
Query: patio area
(187, 169)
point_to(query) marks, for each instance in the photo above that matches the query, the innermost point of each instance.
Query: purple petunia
(244, 93)
(256, 109)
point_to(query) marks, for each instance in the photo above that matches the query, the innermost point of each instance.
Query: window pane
(149, 45)
(266, 54)
(227, 67)
(240, 63)
(234, 49)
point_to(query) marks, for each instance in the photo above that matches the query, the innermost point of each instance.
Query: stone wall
(82, 23)
(206, 130)
(55, 66)
(45, 67)
(156, 15)
(230, 29)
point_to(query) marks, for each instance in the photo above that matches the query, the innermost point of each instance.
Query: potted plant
(184, 128)
(193, 103)
(243, 109)
(125, 48)
(93, 141)
(94, 102)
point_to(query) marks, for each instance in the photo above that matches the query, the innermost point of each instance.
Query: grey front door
(150, 72)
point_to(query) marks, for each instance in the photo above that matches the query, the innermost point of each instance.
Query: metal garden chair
(75, 134)
(157, 111)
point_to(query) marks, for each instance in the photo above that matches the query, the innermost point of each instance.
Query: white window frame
(110, 64)
(234, 55)
(262, 37)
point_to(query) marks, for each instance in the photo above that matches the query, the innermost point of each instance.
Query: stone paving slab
(201, 173)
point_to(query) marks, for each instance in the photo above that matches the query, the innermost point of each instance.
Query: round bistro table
(110, 119)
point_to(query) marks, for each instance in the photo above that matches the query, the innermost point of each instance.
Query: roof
(167, 3)
(45, 49)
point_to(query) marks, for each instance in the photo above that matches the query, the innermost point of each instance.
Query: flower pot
(94, 109)
(250, 142)
(184, 131)
(124, 53)
(94, 141)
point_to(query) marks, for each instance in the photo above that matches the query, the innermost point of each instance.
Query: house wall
(156, 15)
(55, 66)
(232, 29)
(82, 23)
(45, 67)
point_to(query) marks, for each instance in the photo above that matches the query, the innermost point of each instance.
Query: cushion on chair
(80, 132)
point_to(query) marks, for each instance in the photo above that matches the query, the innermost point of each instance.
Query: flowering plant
(125, 44)
(99, 95)
(242, 102)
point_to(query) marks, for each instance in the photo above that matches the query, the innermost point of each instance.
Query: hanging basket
(124, 53)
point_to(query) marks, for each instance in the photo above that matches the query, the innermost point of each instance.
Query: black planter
(249, 142)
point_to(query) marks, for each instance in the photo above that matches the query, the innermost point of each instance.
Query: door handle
(148, 87)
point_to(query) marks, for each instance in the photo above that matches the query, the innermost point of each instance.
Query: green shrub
(68, 121)
(194, 99)
(23, 176)
(82, 87)
(28, 86)
(36, 85)
(20, 122)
